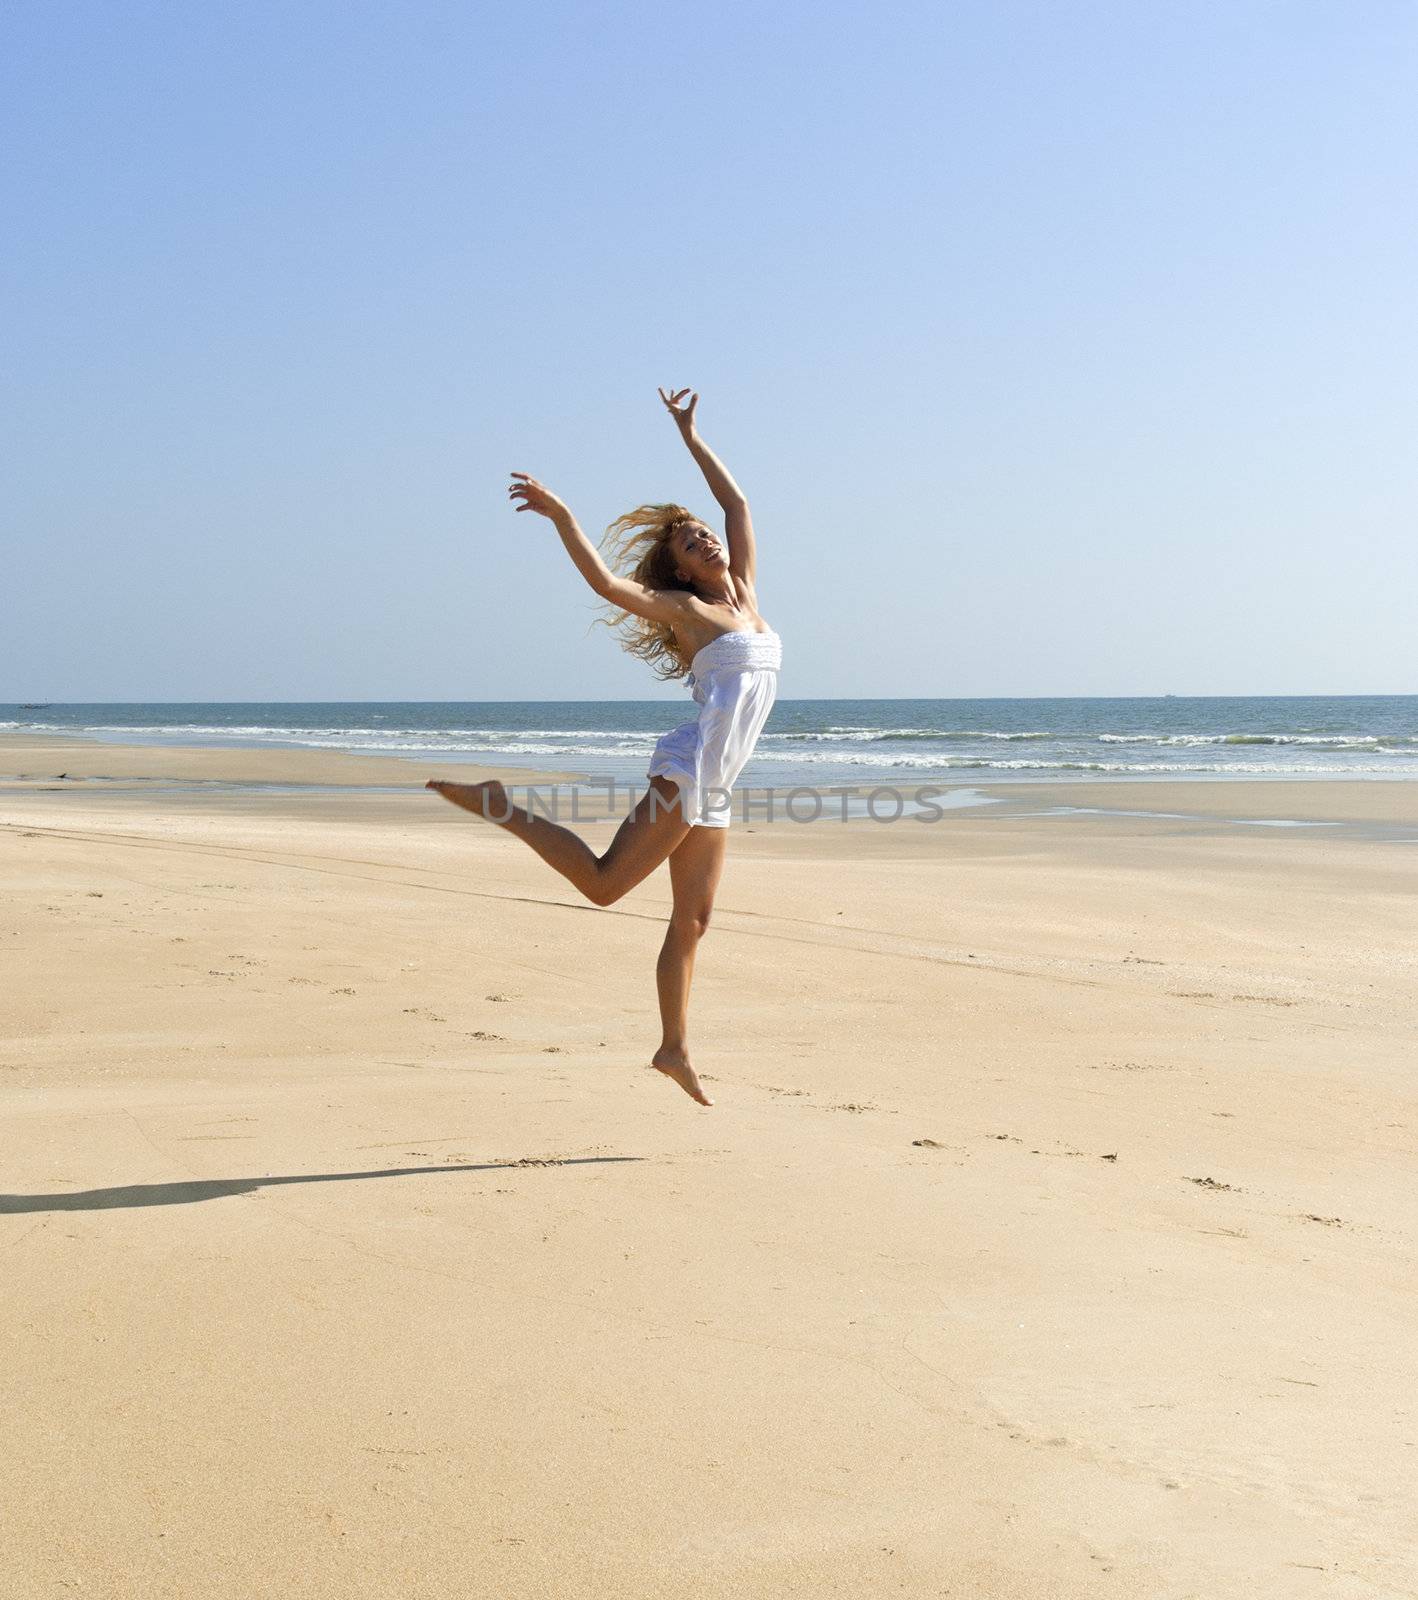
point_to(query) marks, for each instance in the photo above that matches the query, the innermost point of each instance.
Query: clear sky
(1062, 348)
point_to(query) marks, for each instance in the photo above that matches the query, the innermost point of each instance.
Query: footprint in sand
(1133, 1066)
(487, 1037)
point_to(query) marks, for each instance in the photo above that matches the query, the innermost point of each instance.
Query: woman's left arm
(738, 523)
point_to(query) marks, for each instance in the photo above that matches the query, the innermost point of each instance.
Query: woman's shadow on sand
(194, 1189)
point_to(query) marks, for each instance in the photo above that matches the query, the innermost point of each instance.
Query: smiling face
(698, 552)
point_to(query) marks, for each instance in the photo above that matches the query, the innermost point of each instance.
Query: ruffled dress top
(734, 679)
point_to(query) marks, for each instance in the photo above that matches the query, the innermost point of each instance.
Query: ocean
(818, 742)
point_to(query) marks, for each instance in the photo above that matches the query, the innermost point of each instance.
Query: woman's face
(698, 551)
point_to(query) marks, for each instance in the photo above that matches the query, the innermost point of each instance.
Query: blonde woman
(684, 603)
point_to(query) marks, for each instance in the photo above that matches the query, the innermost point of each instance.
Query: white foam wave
(1333, 741)
(267, 731)
(515, 747)
(983, 763)
(849, 748)
(908, 735)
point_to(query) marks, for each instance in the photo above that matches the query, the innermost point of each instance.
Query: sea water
(820, 743)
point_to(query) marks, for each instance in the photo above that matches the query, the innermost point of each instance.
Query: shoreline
(26, 760)
(53, 764)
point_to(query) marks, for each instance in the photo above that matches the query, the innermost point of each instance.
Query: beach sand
(1054, 1232)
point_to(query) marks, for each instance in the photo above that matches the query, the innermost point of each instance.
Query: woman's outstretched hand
(683, 415)
(536, 497)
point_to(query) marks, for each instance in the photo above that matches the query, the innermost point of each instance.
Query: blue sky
(1061, 348)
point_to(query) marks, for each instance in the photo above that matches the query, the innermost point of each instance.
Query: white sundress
(735, 681)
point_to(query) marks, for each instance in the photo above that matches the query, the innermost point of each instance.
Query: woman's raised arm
(658, 605)
(738, 523)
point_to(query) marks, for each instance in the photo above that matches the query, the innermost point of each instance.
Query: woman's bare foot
(675, 1064)
(482, 799)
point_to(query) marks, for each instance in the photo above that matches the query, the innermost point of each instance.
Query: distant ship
(31, 705)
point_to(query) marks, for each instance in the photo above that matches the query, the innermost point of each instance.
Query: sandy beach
(1054, 1233)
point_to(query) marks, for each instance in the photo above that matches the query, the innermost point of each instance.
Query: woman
(687, 602)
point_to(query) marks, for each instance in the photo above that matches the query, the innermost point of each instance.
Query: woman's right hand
(536, 497)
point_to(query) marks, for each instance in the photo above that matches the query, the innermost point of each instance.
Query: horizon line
(52, 705)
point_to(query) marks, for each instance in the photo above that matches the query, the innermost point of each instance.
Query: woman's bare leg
(695, 866)
(642, 842)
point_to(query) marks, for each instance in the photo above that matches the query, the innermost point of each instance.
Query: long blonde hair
(637, 546)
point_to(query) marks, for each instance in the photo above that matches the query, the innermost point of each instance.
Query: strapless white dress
(735, 681)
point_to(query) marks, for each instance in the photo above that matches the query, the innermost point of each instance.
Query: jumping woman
(685, 605)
